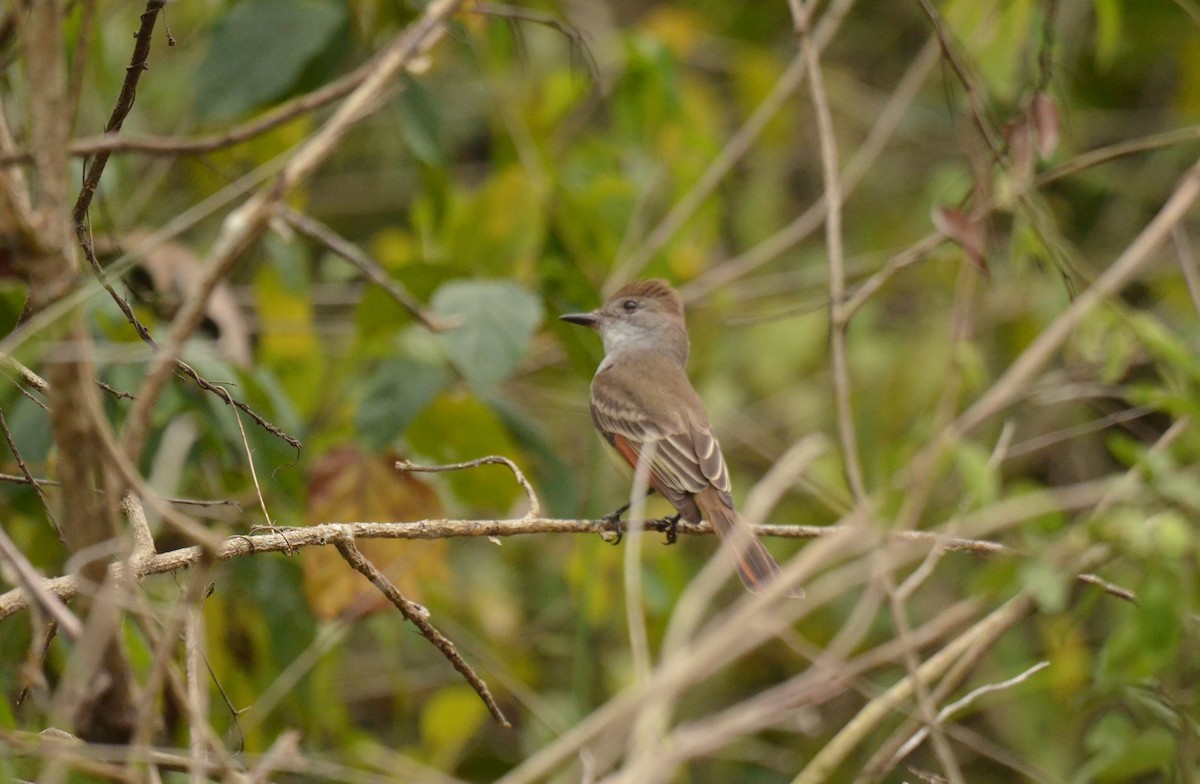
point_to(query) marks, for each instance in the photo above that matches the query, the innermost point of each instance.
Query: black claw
(614, 519)
(672, 528)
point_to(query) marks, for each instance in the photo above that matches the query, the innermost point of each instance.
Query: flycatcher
(641, 396)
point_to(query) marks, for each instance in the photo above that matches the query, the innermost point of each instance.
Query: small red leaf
(964, 230)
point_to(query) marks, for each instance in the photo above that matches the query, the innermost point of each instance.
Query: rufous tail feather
(753, 563)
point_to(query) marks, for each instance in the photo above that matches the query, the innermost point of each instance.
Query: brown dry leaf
(964, 230)
(346, 485)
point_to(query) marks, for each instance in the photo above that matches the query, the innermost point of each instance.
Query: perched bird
(641, 396)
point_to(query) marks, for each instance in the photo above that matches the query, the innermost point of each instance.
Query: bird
(641, 398)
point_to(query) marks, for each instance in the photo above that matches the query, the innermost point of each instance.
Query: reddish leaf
(345, 486)
(1043, 114)
(964, 230)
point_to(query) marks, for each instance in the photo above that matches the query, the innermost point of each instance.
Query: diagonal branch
(733, 151)
(1127, 266)
(418, 616)
(319, 232)
(245, 225)
(133, 73)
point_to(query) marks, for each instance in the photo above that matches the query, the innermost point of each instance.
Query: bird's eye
(630, 305)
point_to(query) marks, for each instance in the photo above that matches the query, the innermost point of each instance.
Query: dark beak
(582, 319)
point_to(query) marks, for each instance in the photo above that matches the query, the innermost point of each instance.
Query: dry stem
(419, 617)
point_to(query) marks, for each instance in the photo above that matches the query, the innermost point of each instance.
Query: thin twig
(869, 717)
(34, 585)
(315, 230)
(133, 73)
(29, 480)
(911, 255)
(983, 123)
(535, 507)
(1135, 257)
(262, 501)
(246, 224)
(419, 617)
(1121, 149)
(838, 322)
(948, 711)
(733, 150)
(1108, 587)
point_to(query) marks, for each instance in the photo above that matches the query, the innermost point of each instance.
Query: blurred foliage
(501, 186)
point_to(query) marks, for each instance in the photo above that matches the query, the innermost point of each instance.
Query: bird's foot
(613, 519)
(672, 523)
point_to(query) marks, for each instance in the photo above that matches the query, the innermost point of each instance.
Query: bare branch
(315, 230)
(33, 585)
(247, 223)
(1126, 267)
(418, 616)
(730, 154)
(839, 322)
(1002, 514)
(535, 507)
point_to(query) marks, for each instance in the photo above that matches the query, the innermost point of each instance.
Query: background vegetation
(991, 335)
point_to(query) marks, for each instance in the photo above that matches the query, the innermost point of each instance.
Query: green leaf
(421, 125)
(498, 228)
(457, 427)
(1108, 31)
(1047, 583)
(1145, 643)
(556, 481)
(397, 391)
(260, 49)
(497, 318)
(450, 719)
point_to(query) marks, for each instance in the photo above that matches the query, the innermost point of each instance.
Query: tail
(754, 564)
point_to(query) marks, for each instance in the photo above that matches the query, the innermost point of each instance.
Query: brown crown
(655, 288)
